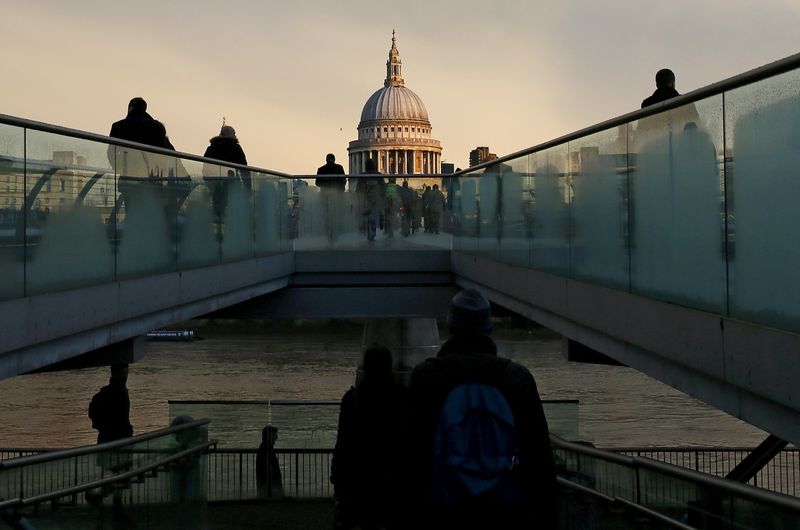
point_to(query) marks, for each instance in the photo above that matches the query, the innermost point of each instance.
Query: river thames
(617, 406)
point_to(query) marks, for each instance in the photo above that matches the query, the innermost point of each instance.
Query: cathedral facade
(395, 129)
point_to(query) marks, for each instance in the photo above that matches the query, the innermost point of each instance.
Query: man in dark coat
(665, 88)
(470, 357)
(139, 126)
(132, 165)
(332, 189)
(331, 168)
(110, 407)
(268, 472)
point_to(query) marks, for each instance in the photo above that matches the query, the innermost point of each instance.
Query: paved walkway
(280, 515)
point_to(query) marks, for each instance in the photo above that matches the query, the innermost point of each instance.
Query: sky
(293, 76)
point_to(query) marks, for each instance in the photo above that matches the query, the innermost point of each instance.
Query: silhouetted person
(332, 189)
(665, 88)
(110, 407)
(406, 201)
(373, 195)
(436, 202)
(331, 168)
(473, 410)
(225, 147)
(137, 126)
(369, 461)
(390, 207)
(268, 472)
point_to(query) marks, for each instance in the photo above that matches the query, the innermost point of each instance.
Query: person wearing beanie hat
(470, 313)
(226, 147)
(468, 360)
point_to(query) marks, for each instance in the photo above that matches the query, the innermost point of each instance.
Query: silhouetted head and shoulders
(225, 146)
(109, 408)
(331, 168)
(139, 126)
(665, 88)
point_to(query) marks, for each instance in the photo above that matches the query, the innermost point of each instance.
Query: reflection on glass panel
(599, 165)
(69, 208)
(378, 213)
(763, 135)
(466, 221)
(514, 183)
(550, 224)
(677, 226)
(146, 209)
(270, 208)
(12, 221)
(232, 194)
(198, 217)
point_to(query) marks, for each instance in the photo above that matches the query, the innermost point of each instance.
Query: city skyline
(293, 79)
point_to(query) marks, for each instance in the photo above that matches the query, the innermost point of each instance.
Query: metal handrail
(254, 402)
(769, 70)
(628, 504)
(757, 74)
(98, 448)
(122, 477)
(94, 137)
(689, 475)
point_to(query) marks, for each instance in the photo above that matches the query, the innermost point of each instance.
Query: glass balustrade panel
(676, 206)
(271, 213)
(375, 213)
(466, 213)
(599, 169)
(146, 211)
(12, 212)
(199, 215)
(505, 204)
(69, 212)
(763, 134)
(549, 222)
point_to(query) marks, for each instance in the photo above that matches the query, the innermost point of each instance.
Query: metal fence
(781, 474)
(305, 473)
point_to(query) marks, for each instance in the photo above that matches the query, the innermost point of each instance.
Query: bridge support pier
(411, 340)
(579, 353)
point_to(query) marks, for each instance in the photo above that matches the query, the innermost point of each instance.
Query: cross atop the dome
(394, 66)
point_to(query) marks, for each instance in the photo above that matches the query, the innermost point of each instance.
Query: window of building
(62, 185)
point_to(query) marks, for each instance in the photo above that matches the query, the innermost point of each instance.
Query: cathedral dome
(394, 102)
(394, 129)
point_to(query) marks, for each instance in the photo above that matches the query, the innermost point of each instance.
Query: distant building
(448, 168)
(395, 129)
(480, 155)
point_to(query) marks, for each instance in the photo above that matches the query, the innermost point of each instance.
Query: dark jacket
(142, 128)
(139, 126)
(109, 411)
(331, 168)
(227, 149)
(661, 94)
(465, 359)
(369, 460)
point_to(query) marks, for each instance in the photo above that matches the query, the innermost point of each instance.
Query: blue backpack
(475, 448)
